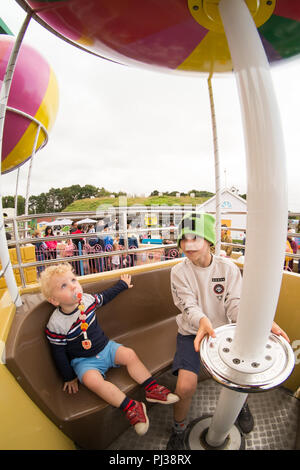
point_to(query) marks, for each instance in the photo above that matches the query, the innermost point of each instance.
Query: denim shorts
(186, 357)
(103, 361)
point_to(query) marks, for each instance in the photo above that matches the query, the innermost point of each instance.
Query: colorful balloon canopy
(34, 91)
(174, 35)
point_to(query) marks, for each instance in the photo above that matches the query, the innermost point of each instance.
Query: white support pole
(16, 193)
(217, 168)
(224, 416)
(266, 180)
(30, 169)
(4, 93)
(266, 198)
(29, 174)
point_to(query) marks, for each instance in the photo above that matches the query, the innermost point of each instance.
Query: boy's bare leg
(185, 389)
(94, 381)
(136, 412)
(136, 369)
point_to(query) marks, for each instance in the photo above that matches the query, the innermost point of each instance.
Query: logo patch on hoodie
(218, 289)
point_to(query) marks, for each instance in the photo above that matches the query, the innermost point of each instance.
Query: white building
(9, 211)
(233, 211)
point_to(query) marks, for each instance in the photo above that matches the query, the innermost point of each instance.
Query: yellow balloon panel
(211, 54)
(46, 115)
(34, 91)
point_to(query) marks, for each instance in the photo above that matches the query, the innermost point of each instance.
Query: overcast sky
(138, 130)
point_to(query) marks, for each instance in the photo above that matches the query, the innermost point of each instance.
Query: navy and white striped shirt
(65, 335)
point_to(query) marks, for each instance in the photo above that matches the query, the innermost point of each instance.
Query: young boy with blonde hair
(81, 350)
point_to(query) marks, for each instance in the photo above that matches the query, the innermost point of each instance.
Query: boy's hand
(126, 278)
(278, 331)
(71, 386)
(205, 328)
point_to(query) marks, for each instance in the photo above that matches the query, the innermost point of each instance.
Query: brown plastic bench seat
(142, 318)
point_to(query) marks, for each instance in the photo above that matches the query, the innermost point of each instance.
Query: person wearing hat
(206, 289)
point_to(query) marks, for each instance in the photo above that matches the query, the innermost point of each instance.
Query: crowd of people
(103, 236)
(291, 247)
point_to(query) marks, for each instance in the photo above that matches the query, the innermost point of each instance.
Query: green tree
(66, 197)
(102, 192)
(54, 201)
(88, 191)
(37, 204)
(9, 201)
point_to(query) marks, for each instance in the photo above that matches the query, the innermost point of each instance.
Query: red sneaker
(161, 394)
(137, 415)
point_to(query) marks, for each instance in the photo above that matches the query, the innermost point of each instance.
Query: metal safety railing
(88, 256)
(93, 252)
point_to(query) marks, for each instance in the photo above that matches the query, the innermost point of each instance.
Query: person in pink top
(51, 244)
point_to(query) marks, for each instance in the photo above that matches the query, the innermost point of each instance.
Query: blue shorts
(186, 357)
(103, 361)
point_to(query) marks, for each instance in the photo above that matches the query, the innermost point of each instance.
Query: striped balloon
(174, 35)
(34, 91)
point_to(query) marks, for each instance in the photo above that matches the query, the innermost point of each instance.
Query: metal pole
(30, 168)
(4, 93)
(123, 224)
(266, 177)
(224, 416)
(80, 261)
(266, 198)
(18, 251)
(29, 175)
(16, 193)
(217, 168)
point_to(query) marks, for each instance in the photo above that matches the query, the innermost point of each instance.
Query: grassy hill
(92, 204)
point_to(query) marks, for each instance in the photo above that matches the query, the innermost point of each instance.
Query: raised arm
(109, 294)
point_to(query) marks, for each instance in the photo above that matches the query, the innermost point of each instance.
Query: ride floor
(275, 413)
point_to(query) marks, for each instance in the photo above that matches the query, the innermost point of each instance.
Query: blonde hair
(48, 274)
